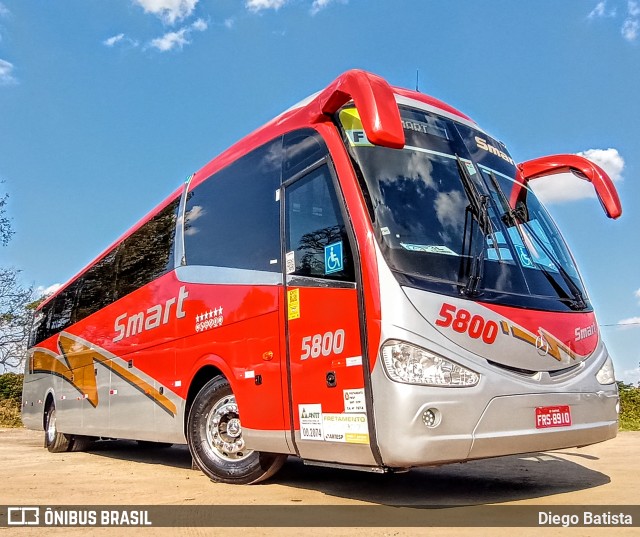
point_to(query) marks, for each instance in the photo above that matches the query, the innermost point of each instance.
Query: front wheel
(215, 439)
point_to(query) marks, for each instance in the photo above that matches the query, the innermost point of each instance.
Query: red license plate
(553, 416)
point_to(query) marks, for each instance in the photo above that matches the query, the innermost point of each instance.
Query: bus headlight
(606, 374)
(407, 363)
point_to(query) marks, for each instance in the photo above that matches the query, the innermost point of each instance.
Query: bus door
(326, 382)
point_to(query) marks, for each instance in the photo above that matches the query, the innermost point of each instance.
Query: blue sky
(105, 107)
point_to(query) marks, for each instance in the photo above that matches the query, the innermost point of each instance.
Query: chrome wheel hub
(224, 431)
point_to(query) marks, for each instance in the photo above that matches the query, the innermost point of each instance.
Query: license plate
(553, 416)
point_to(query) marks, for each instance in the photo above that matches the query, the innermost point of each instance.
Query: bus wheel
(54, 441)
(215, 439)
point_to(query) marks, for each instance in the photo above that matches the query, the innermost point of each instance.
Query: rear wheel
(54, 441)
(215, 439)
(57, 442)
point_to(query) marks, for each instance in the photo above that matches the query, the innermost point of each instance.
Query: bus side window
(316, 235)
(233, 217)
(148, 253)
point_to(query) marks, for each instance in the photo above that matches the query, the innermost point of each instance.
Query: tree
(5, 224)
(16, 307)
(16, 312)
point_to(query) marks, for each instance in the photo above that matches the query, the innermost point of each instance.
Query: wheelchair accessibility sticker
(333, 258)
(525, 259)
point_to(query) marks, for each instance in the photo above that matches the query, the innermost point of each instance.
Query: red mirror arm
(375, 102)
(579, 166)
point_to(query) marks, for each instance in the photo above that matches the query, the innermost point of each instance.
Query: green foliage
(11, 387)
(10, 400)
(10, 415)
(629, 407)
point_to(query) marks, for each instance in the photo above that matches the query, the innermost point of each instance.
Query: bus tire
(80, 442)
(215, 439)
(54, 440)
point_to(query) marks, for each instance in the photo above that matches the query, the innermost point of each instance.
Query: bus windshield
(443, 222)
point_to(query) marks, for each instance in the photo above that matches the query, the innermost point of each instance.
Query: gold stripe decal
(78, 369)
(544, 342)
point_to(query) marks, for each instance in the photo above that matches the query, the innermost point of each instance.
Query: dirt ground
(124, 473)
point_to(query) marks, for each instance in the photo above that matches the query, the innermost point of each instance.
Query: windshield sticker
(469, 165)
(385, 231)
(435, 128)
(430, 248)
(350, 119)
(290, 262)
(525, 258)
(333, 261)
(310, 422)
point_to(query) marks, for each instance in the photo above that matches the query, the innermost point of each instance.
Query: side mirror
(374, 100)
(580, 167)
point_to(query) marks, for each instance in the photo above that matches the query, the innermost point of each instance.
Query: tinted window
(316, 234)
(302, 149)
(142, 257)
(148, 253)
(96, 287)
(233, 218)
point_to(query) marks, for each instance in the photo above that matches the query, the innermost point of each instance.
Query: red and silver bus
(366, 282)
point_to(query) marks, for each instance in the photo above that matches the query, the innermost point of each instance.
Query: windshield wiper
(479, 208)
(513, 217)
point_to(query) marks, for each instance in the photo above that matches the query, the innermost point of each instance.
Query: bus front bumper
(506, 426)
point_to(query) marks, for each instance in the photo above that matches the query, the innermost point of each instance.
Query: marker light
(606, 374)
(407, 363)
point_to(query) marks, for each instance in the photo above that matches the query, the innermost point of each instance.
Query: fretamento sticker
(310, 422)
(354, 401)
(349, 428)
(293, 304)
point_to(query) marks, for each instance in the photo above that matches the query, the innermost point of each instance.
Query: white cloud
(637, 293)
(169, 11)
(630, 322)
(567, 187)
(4, 11)
(42, 291)
(113, 40)
(260, 5)
(629, 376)
(6, 73)
(600, 11)
(200, 25)
(319, 5)
(630, 29)
(120, 39)
(170, 40)
(230, 22)
(179, 38)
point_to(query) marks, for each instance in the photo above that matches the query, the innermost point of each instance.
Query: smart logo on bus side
(159, 314)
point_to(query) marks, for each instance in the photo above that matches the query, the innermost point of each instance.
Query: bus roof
(372, 95)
